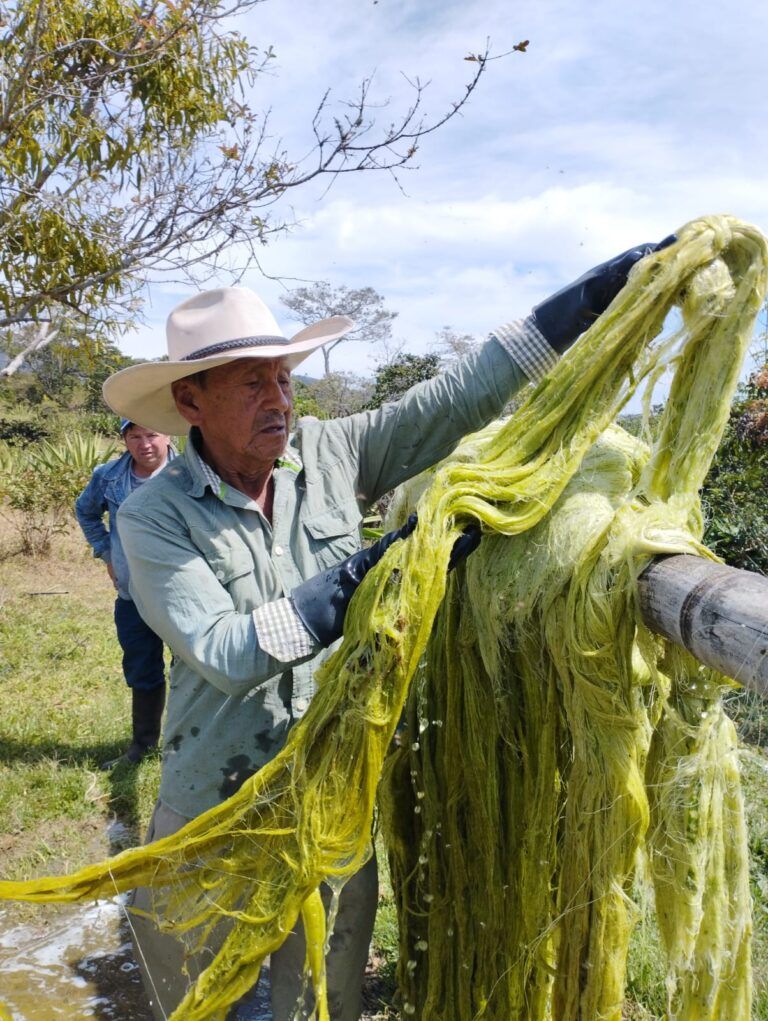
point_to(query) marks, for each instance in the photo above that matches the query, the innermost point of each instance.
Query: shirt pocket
(333, 534)
(228, 560)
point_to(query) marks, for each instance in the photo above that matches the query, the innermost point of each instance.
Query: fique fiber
(549, 738)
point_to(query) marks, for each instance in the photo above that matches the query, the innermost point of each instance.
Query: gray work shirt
(204, 563)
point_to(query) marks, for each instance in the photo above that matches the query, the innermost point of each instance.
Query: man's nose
(277, 396)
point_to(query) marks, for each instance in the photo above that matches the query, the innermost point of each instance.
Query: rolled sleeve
(280, 631)
(183, 601)
(527, 345)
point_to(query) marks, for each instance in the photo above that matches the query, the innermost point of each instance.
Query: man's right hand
(111, 573)
(321, 602)
(567, 314)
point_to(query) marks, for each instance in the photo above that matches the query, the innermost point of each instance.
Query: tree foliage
(451, 345)
(303, 401)
(373, 320)
(393, 380)
(127, 150)
(102, 104)
(734, 495)
(340, 393)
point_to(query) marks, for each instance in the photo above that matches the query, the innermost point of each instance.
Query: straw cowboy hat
(212, 328)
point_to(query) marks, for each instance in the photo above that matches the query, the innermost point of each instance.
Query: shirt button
(278, 551)
(301, 704)
(220, 575)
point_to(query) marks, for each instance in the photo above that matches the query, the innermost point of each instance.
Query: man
(237, 553)
(147, 452)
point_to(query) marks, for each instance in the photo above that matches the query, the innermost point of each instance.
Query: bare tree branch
(42, 339)
(128, 153)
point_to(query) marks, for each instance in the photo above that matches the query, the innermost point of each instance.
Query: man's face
(147, 448)
(243, 410)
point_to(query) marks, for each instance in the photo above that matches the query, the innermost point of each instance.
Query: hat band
(230, 345)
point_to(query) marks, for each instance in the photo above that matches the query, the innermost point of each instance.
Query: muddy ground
(71, 962)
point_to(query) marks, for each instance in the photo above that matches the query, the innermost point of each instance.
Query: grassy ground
(65, 709)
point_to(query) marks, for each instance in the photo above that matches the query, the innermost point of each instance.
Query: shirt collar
(290, 460)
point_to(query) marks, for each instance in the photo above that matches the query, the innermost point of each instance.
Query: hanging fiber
(547, 730)
(573, 720)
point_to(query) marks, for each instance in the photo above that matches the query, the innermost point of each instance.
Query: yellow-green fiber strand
(697, 845)
(535, 640)
(518, 800)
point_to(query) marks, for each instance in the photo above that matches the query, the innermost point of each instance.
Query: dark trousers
(168, 970)
(143, 665)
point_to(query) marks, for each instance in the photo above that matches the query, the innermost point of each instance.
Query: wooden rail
(718, 613)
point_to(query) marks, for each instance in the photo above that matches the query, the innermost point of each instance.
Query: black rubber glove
(567, 314)
(466, 543)
(322, 601)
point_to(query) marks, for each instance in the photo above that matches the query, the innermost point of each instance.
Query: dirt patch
(70, 569)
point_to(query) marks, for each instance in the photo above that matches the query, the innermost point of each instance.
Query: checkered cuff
(281, 633)
(527, 345)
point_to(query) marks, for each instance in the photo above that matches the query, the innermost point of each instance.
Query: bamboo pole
(718, 613)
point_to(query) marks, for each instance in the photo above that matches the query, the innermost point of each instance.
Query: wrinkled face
(147, 448)
(243, 409)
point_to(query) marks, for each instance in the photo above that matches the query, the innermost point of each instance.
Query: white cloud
(619, 124)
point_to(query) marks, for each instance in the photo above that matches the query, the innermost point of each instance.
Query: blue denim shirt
(110, 484)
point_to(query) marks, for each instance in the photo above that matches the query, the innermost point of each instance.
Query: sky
(619, 123)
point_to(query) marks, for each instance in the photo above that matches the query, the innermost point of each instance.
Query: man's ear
(185, 394)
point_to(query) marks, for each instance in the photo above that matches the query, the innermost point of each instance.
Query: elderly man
(146, 453)
(237, 553)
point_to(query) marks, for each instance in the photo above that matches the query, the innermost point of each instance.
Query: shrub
(40, 483)
(734, 493)
(21, 430)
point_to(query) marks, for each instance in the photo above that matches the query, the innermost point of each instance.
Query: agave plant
(78, 452)
(39, 484)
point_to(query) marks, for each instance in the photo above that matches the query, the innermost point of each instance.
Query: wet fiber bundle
(256, 861)
(550, 737)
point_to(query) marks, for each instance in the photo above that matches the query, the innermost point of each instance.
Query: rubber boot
(146, 716)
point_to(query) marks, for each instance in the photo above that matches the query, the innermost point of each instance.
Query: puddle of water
(120, 836)
(71, 962)
(76, 961)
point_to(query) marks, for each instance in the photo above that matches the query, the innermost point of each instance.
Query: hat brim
(142, 393)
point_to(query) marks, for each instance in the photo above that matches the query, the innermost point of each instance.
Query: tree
(373, 321)
(452, 345)
(127, 150)
(340, 393)
(304, 402)
(733, 496)
(70, 374)
(393, 380)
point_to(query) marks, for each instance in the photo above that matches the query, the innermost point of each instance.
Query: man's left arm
(90, 508)
(401, 439)
(398, 440)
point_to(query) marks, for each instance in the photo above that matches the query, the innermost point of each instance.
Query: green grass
(66, 709)
(755, 782)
